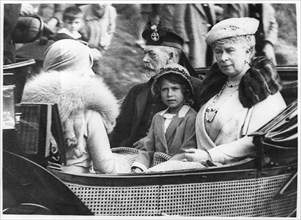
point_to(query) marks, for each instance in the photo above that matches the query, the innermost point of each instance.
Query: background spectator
(72, 23)
(199, 20)
(191, 22)
(20, 26)
(11, 15)
(172, 16)
(99, 27)
(50, 14)
(34, 50)
(145, 13)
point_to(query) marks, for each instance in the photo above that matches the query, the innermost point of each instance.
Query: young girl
(173, 129)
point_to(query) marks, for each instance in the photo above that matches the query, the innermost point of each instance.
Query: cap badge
(155, 36)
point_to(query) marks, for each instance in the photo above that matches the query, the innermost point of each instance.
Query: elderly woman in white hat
(238, 96)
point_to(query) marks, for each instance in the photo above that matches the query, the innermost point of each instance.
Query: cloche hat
(232, 27)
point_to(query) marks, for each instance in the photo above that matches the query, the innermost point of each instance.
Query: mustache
(149, 66)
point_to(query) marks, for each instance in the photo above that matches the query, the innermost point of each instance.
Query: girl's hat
(232, 27)
(173, 68)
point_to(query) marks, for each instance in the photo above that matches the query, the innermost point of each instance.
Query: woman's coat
(226, 142)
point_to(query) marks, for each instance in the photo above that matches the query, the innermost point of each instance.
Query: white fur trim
(73, 94)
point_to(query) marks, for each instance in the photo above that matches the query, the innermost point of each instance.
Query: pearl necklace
(211, 111)
(231, 86)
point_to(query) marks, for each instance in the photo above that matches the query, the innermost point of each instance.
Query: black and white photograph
(150, 109)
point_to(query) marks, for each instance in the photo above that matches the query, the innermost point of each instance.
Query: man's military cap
(156, 34)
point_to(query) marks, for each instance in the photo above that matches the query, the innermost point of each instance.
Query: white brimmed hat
(232, 27)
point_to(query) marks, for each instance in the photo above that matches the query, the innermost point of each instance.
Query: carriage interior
(33, 181)
(32, 169)
(276, 141)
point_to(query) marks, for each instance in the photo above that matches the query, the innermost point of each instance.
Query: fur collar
(260, 81)
(73, 94)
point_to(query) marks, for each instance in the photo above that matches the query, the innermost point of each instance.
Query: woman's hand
(140, 143)
(137, 170)
(196, 155)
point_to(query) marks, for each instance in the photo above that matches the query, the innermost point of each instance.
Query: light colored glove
(137, 170)
(73, 128)
(196, 155)
(26, 9)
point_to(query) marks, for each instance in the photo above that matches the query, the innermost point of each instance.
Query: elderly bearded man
(139, 106)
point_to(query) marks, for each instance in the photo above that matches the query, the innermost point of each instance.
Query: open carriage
(33, 182)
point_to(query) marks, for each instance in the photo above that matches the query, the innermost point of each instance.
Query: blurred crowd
(95, 25)
(193, 21)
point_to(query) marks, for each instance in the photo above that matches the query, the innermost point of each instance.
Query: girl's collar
(181, 113)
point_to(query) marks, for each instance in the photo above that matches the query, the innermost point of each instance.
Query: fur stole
(260, 81)
(73, 94)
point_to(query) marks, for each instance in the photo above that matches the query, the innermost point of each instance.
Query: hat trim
(211, 42)
(232, 27)
(166, 44)
(173, 71)
(171, 44)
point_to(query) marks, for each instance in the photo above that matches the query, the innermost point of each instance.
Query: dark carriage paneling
(25, 182)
